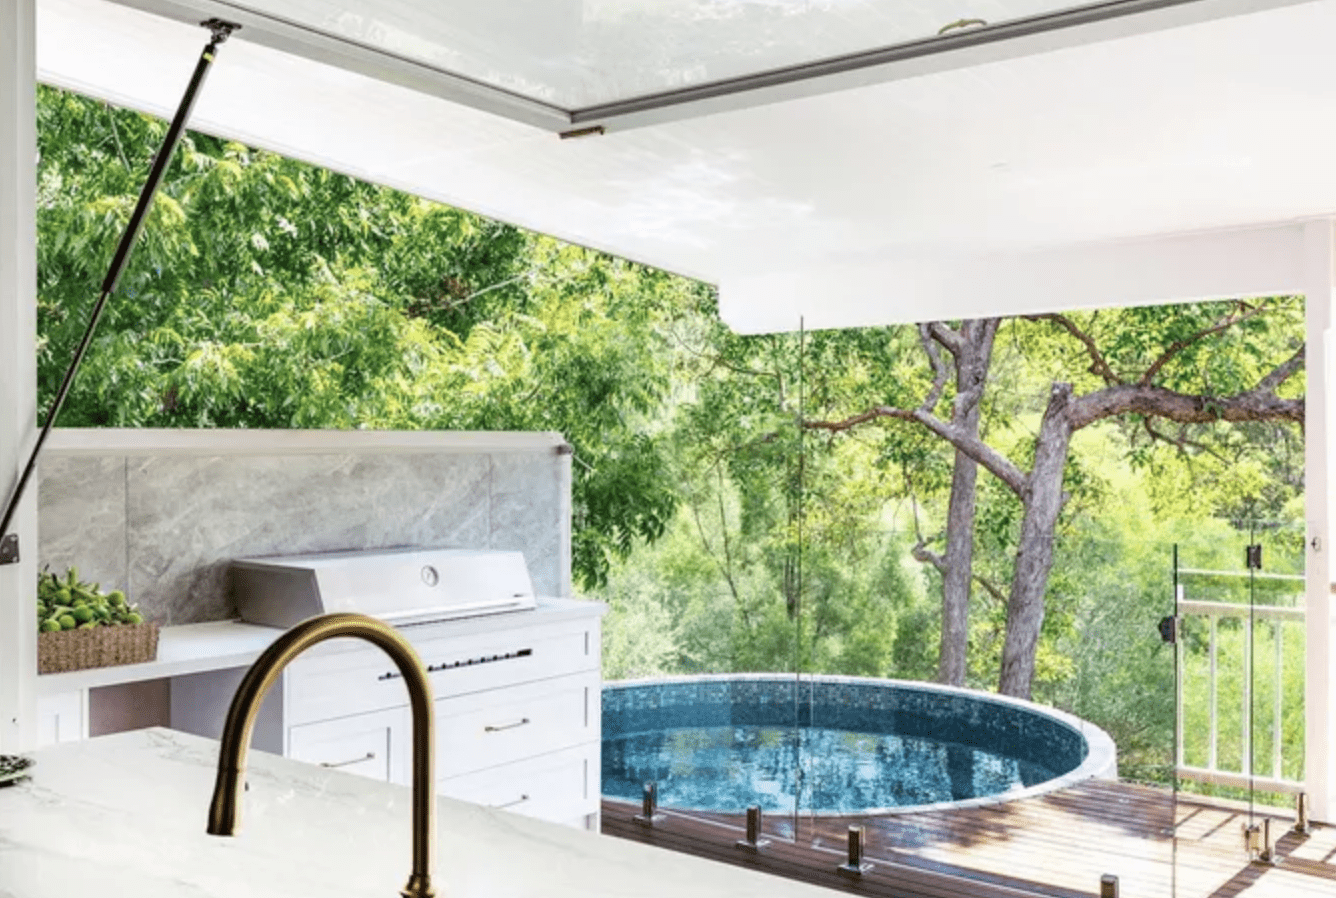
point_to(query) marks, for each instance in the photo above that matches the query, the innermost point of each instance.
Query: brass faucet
(262, 674)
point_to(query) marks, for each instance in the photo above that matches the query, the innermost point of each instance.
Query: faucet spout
(224, 807)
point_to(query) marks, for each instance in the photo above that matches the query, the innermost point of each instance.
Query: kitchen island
(125, 815)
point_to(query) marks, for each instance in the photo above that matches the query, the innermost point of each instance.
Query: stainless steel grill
(400, 586)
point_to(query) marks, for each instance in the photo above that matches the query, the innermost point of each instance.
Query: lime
(67, 622)
(50, 625)
(83, 614)
(134, 617)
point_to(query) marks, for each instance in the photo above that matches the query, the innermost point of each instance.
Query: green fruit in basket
(88, 626)
(50, 625)
(116, 597)
(67, 622)
(83, 614)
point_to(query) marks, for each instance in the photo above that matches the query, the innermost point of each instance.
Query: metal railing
(1247, 777)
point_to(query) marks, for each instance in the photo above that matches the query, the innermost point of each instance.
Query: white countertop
(125, 815)
(217, 645)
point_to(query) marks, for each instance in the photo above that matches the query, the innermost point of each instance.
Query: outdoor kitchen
(459, 539)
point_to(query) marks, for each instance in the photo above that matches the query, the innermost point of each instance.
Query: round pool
(836, 745)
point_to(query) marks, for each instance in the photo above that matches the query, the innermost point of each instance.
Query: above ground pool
(836, 745)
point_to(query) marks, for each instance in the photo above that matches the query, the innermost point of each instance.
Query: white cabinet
(62, 717)
(517, 702)
(368, 744)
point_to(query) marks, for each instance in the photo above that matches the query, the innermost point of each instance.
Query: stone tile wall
(163, 527)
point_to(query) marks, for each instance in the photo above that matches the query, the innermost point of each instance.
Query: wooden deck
(1056, 846)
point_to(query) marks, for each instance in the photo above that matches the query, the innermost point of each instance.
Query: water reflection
(728, 768)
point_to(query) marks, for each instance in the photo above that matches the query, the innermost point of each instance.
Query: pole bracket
(220, 29)
(9, 548)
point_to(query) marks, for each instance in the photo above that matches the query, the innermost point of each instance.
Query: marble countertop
(125, 815)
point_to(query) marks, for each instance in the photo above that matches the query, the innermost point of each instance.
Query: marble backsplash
(164, 527)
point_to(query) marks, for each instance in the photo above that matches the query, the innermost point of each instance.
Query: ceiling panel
(580, 53)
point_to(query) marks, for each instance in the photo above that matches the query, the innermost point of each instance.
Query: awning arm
(220, 31)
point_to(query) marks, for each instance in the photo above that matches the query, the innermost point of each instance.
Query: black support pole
(220, 30)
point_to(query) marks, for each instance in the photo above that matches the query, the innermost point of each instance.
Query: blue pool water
(842, 772)
(836, 745)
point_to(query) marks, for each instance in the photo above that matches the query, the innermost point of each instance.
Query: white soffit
(803, 208)
(579, 55)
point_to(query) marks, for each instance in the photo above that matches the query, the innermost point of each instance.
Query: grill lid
(399, 586)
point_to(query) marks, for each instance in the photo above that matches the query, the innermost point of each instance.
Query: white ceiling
(898, 201)
(578, 53)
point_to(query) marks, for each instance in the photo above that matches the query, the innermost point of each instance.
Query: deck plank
(1054, 846)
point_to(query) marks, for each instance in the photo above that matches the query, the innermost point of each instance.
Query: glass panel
(1241, 602)
(700, 647)
(1276, 590)
(915, 764)
(578, 53)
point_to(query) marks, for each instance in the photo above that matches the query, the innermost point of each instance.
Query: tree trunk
(973, 357)
(957, 567)
(1042, 500)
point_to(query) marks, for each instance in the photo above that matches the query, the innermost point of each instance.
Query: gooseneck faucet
(262, 674)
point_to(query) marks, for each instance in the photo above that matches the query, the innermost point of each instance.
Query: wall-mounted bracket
(9, 548)
(1254, 557)
(1169, 629)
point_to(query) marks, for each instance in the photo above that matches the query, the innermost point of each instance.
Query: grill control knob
(430, 575)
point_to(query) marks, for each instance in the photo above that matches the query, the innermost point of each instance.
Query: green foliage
(724, 536)
(267, 293)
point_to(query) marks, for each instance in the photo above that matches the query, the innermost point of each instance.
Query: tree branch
(952, 340)
(999, 465)
(1282, 373)
(1178, 346)
(992, 589)
(924, 555)
(939, 372)
(1181, 442)
(1098, 365)
(1258, 404)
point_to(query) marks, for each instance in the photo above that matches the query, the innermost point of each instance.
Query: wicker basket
(99, 647)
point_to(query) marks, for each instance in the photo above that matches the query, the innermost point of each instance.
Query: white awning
(1132, 159)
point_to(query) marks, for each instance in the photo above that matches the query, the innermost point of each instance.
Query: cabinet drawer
(561, 787)
(351, 682)
(370, 745)
(62, 717)
(485, 729)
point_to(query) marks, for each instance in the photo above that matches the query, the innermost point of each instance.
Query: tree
(267, 293)
(1198, 366)
(971, 348)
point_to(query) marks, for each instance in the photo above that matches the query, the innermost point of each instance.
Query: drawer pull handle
(369, 756)
(496, 728)
(511, 804)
